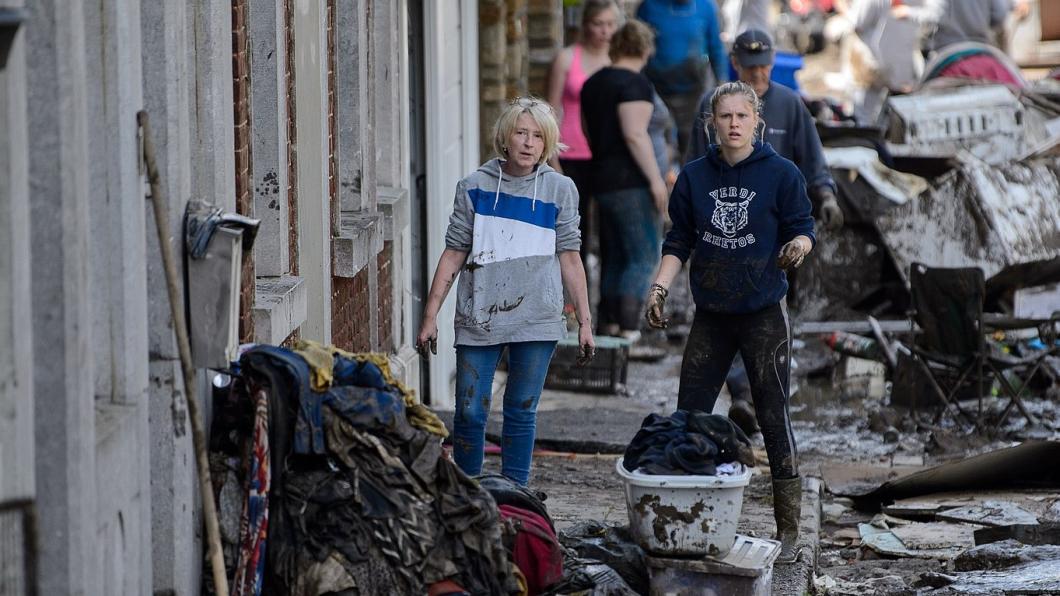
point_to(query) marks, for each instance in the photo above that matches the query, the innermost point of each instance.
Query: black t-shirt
(613, 165)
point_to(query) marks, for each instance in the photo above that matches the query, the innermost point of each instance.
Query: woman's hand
(428, 337)
(587, 345)
(659, 196)
(792, 254)
(656, 313)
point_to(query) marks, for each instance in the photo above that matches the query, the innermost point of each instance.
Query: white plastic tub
(684, 515)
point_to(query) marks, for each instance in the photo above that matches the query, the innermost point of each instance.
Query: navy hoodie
(733, 221)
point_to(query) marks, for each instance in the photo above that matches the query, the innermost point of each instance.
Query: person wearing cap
(789, 127)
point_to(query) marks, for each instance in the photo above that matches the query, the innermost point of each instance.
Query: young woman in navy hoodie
(742, 214)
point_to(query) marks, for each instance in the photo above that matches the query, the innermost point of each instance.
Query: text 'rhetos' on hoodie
(733, 221)
(512, 228)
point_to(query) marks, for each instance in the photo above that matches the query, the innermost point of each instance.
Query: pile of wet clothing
(688, 443)
(340, 485)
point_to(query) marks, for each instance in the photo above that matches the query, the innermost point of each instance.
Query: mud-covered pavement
(838, 421)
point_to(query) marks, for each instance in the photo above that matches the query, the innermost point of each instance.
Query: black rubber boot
(787, 506)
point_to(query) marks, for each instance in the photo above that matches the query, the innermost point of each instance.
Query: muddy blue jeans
(763, 339)
(475, 367)
(629, 254)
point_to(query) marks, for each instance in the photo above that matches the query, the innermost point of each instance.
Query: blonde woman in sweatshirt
(511, 247)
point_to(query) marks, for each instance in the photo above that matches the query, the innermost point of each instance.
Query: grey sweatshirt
(510, 289)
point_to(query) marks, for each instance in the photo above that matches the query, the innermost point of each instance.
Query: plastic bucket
(684, 515)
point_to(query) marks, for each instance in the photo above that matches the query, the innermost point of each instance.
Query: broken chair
(951, 347)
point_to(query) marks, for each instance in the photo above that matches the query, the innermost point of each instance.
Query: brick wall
(386, 297)
(517, 52)
(292, 135)
(544, 38)
(244, 204)
(350, 318)
(350, 298)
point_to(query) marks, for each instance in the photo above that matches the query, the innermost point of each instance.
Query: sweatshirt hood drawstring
(500, 177)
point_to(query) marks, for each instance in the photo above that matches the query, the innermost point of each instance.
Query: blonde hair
(632, 40)
(736, 88)
(541, 112)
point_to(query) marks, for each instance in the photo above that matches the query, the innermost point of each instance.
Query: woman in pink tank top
(572, 66)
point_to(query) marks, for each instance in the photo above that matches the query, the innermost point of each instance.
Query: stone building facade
(343, 125)
(518, 39)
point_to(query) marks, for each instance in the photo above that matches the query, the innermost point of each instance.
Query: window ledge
(359, 241)
(394, 205)
(280, 307)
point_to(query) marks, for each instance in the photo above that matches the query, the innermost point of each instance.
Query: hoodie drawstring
(500, 176)
(533, 200)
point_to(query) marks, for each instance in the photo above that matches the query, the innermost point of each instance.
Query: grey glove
(829, 212)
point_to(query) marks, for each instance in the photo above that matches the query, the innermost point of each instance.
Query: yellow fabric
(524, 586)
(321, 361)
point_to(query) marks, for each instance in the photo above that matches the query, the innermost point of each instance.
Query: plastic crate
(747, 570)
(605, 374)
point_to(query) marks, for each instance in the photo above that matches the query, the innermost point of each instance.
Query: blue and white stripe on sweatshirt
(512, 229)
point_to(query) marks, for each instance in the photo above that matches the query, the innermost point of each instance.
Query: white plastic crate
(747, 570)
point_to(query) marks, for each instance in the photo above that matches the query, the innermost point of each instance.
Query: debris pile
(333, 481)
(975, 526)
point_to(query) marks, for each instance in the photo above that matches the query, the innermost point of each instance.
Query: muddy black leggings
(763, 338)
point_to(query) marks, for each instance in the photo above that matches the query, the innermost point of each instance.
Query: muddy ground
(837, 420)
(841, 417)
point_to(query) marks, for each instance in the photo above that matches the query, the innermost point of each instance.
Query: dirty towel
(320, 361)
(729, 469)
(686, 443)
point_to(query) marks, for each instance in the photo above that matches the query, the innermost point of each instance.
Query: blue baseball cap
(753, 47)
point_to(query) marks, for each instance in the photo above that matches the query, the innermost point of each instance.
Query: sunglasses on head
(529, 102)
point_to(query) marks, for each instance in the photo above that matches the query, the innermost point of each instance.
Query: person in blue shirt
(689, 56)
(741, 214)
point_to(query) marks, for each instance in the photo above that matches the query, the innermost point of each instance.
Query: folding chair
(947, 306)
